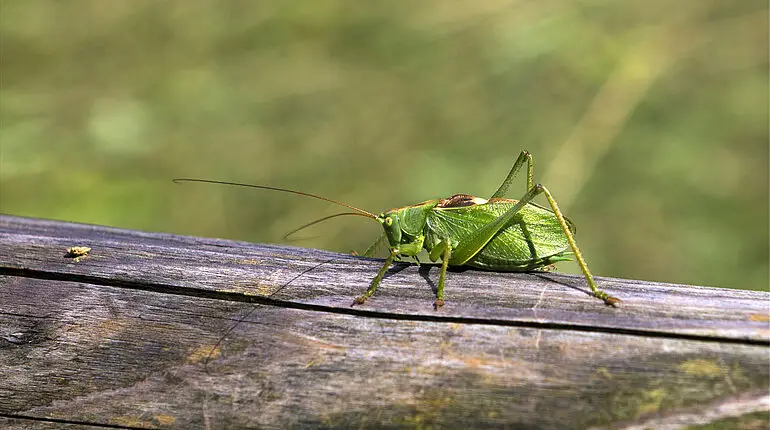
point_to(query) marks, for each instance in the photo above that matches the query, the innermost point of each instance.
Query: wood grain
(128, 337)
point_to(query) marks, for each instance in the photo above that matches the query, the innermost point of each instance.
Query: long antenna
(263, 187)
(296, 230)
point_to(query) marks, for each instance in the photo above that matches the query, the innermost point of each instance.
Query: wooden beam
(139, 334)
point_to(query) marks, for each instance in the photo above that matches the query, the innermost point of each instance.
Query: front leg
(372, 249)
(377, 279)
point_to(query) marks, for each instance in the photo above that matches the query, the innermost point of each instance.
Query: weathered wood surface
(127, 336)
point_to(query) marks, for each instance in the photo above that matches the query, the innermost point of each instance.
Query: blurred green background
(648, 119)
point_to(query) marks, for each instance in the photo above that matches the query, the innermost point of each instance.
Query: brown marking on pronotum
(460, 200)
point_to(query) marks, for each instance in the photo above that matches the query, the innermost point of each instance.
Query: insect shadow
(424, 272)
(561, 282)
(397, 268)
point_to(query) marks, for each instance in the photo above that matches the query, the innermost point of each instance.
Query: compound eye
(388, 221)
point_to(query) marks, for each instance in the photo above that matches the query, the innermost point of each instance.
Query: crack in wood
(226, 296)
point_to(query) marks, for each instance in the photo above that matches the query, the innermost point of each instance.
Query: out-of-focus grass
(648, 119)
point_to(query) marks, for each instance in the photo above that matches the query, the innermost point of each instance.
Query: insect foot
(438, 304)
(360, 300)
(608, 299)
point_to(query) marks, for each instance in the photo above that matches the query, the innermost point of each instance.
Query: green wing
(533, 239)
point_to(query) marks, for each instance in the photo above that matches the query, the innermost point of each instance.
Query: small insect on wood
(498, 234)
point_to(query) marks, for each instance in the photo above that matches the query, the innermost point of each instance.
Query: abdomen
(533, 238)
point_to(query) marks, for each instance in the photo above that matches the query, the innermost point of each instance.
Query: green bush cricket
(498, 234)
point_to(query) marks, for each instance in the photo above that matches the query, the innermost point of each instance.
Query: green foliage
(648, 119)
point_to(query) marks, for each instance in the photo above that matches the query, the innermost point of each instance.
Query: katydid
(498, 234)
